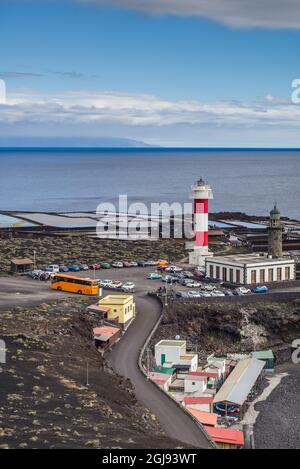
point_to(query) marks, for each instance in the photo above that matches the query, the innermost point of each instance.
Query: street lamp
(34, 259)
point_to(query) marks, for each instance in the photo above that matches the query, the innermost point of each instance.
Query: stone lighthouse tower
(275, 230)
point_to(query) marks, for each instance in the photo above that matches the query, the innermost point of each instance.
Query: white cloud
(235, 13)
(142, 110)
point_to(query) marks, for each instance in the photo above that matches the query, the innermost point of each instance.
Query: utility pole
(166, 297)
(34, 259)
(87, 373)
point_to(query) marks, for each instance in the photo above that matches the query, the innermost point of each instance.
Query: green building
(266, 356)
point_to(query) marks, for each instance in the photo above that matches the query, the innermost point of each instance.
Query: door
(253, 276)
(163, 359)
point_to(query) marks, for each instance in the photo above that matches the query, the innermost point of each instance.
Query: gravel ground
(278, 423)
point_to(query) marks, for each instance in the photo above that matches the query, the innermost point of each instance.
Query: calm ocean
(60, 180)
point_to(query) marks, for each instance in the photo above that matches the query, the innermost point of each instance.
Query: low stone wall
(271, 297)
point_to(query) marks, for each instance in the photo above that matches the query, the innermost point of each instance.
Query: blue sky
(160, 73)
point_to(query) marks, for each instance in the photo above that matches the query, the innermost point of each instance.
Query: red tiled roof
(207, 418)
(21, 261)
(188, 400)
(159, 376)
(207, 374)
(160, 382)
(106, 331)
(226, 435)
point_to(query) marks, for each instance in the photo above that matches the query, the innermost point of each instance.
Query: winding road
(124, 360)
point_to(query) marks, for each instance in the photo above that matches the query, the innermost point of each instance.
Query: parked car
(262, 289)
(206, 294)
(182, 294)
(154, 276)
(133, 264)
(162, 267)
(151, 263)
(105, 283)
(84, 267)
(95, 266)
(186, 274)
(128, 287)
(209, 287)
(35, 273)
(126, 264)
(217, 293)
(228, 292)
(192, 284)
(53, 268)
(142, 263)
(74, 268)
(194, 294)
(199, 274)
(173, 268)
(243, 290)
(117, 264)
(104, 265)
(169, 279)
(163, 262)
(115, 284)
(63, 268)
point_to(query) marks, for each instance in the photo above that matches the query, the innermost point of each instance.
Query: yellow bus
(73, 284)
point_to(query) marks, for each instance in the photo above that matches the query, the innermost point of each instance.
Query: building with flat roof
(250, 269)
(172, 353)
(194, 382)
(267, 356)
(118, 308)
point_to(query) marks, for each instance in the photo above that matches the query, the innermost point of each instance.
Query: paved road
(22, 291)
(124, 359)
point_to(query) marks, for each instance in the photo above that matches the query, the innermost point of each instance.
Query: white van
(53, 268)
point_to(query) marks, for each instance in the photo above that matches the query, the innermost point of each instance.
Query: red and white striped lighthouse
(201, 193)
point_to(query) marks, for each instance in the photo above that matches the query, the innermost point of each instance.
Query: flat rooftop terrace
(249, 259)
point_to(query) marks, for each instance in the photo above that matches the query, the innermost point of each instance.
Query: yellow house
(120, 308)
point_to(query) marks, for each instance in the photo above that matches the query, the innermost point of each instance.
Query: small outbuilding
(205, 418)
(20, 266)
(226, 438)
(267, 356)
(105, 336)
(237, 388)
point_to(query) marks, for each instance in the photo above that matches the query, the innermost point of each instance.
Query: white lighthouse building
(201, 194)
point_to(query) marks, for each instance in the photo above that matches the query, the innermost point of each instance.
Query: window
(279, 273)
(262, 275)
(271, 275)
(224, 274)
(218, 272)
(231, 275)
(211, 271)
(253, 276)
(238, 276)
(287, 273)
